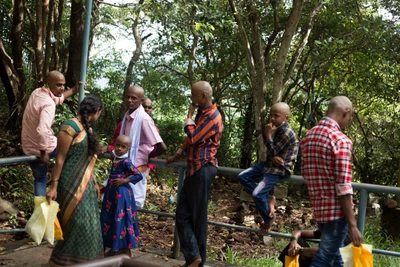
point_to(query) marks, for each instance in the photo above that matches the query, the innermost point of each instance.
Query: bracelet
(54, 180)
(293, 239)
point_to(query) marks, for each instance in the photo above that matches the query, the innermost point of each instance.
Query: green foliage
(234, 258)
(380, 240)
(16, 185)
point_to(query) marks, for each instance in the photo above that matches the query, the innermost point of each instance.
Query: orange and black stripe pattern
(203, 139)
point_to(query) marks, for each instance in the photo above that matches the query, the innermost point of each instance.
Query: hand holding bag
(41, 224)
(362, 256)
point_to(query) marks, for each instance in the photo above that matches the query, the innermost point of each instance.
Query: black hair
(89, 106)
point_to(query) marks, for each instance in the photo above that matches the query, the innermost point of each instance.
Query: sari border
(81, 135)
(73, 204)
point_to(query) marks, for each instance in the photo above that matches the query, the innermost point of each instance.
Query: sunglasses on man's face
(149, 107)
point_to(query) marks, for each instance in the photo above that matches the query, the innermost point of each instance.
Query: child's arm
(133, 174)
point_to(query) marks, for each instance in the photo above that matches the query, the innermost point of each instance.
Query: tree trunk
(10, 80)
(48, 50)
(247, 141)
(41, 10)
(18, 85)
(58, 14)
(290, 30)
(255, 64)
(398, 184)
(136, 54)
(75, 43)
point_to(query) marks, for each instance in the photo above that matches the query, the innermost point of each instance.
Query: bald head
(136, 89)
(147, 105)
(339, 104)
(53, 75)
(340, 109)
(133, 97)
(282, 107)
(124, 139)
(202, 94)
(55, 81)
(203, 87)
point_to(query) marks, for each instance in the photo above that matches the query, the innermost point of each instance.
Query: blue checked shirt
(285, 145)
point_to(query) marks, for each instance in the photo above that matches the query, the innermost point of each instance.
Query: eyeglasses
(149, 107)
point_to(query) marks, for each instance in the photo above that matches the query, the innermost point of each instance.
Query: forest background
(254, 53)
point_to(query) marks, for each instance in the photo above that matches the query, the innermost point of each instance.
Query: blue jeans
(332, 237)
(261, 190)
(39, 171)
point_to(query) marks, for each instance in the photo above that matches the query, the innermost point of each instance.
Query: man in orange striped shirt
(200, 147)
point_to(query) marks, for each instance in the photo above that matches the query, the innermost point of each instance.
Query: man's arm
(44, 131)
(72, 91)
(347, 206)
(179, 153)
(160, 149)
(344, 190)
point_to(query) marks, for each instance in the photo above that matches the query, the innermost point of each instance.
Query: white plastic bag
(41, 224)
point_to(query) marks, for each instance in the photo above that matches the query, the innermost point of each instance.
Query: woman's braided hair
(89, 106)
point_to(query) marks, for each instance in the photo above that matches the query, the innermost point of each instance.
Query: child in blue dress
(119, 219)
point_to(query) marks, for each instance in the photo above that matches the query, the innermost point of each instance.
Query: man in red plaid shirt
(327, 169)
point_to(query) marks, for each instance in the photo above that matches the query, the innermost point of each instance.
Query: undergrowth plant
(381, 240)
(233, 257)
(16, 186)
(372, 235)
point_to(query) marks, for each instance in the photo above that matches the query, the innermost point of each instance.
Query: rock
(390, 203)
(244, 196)
(280, 191)
(268, 240)
(6, 210)
(390, 222)
(160, 225)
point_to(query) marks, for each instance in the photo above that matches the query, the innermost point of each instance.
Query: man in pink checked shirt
(37, 136)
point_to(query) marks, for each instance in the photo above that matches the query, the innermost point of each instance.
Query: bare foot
(266, 226)
(271, 204)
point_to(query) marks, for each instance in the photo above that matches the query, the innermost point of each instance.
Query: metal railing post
(85, 48)
(362, 209)
(176, 248)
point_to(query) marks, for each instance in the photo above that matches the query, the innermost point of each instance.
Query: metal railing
(362, 207)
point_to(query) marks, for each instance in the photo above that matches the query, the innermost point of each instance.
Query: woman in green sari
(75, 188)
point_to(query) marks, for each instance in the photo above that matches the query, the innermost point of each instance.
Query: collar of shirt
(328, 122)
(131, 116)
(207, 109)
(56, 99)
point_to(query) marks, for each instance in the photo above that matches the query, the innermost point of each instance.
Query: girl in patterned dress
(119, 219)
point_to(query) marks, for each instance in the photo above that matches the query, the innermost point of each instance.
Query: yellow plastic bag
(357, 256)
(41, 224)
(362, 256)
(292, 261)
(58, 234)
